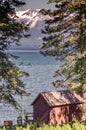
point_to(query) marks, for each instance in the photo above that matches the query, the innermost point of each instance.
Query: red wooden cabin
(57, 107)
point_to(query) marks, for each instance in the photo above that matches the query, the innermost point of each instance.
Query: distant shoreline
(35, 51)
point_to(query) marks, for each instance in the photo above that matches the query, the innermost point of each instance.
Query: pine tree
(10, 33)
(66, 40)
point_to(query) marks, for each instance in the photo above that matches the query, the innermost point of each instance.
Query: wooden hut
(57, 107)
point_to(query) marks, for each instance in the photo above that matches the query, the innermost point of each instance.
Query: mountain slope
(31, 16)
(35, 19)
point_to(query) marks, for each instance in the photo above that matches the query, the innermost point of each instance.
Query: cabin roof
(58, 98)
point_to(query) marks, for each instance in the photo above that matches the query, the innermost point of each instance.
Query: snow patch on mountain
(31, 17)
(35, 21)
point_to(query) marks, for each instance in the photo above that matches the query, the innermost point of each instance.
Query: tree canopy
(11, 31)
(66, 40)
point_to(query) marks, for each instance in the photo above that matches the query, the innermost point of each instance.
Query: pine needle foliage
(10, 33)
(65, 38)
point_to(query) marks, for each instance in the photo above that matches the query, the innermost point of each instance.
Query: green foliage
(84, 110)
(71, 126)
(10, 33)
(78, 126)
(66, 40)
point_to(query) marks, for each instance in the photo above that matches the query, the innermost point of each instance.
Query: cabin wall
(59, 115)
(41, 111)
(63, 114)
(75, 112)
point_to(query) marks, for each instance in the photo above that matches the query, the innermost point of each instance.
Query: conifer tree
(66, 40)
(10, 33)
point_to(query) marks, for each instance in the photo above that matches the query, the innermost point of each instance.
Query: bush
(69, 126)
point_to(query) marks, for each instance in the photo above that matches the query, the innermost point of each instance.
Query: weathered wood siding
(75, 112)
(63, 114)
(41, 111)
(59, 115)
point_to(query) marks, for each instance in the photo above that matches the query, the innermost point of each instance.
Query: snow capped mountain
(31, 17)
(35, 19)
(32, 12)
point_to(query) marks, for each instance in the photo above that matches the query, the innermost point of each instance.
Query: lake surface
(41, 70)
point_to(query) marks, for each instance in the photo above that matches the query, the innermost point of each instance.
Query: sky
(37, 4)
